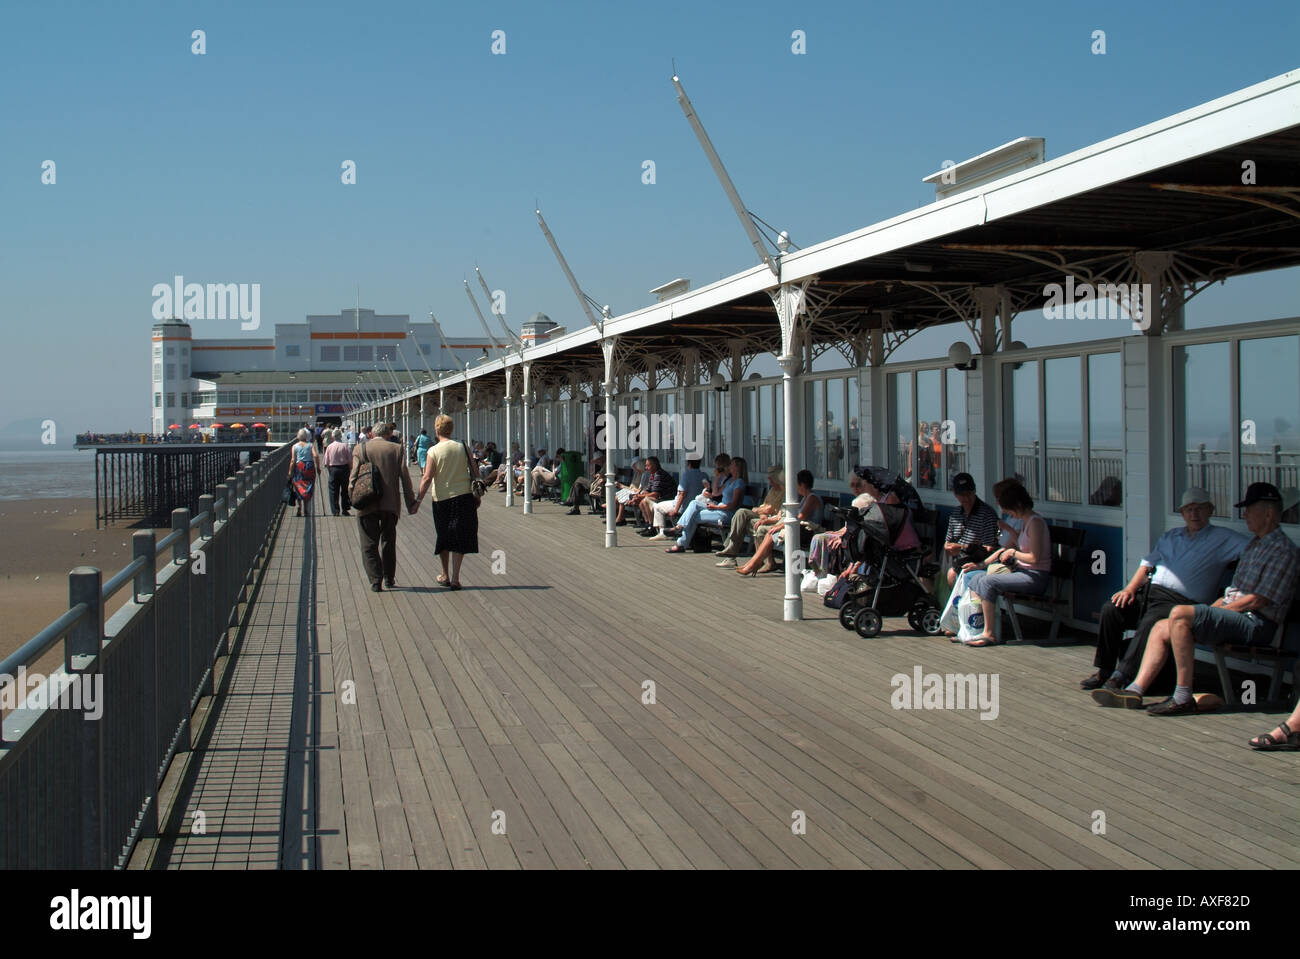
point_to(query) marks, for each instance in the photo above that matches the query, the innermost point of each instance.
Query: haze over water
(49, 474)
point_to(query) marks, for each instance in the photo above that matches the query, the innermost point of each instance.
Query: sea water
(47, 474)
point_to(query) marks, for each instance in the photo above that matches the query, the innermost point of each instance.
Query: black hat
(963, 483)
(1261, 493)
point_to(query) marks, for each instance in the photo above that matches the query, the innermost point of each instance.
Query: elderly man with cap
(1185, 568)
(1247, 614)
(972, 531)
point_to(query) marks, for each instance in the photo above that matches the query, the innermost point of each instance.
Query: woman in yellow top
(455, 513)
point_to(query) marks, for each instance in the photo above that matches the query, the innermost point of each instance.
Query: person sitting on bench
(624, 492)
(810, 511)
(692, 481)
(754, 522)
(1247, 614)
(1033, 559)
(972, 530)
(1188, 566)
(587, 487)
(1285, 736)
(703, 509)
(656, 485)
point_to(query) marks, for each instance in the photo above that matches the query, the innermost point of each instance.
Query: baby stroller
(885, 581)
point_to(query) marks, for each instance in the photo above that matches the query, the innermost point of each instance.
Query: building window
(955, 444)
(358, 354)
(1105, 430)
(157, 351)
(425, 348)
(227, 397)
(157, 401)
(171, 351)
(1269, 434)
(386, 353)
(185, 399)
(1203, 433)
(157, 372)
(205, 398)
(185, 370)
(902, 424)
(329, 354)
(171, 371)
(1064, 430)
(929, 429)
(185, 351)
(293, 349)
(1023, 426)
(171, 400)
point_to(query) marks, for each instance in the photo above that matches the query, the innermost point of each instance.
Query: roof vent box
(1020, 154)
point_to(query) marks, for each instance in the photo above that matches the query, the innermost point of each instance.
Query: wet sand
(41, 540)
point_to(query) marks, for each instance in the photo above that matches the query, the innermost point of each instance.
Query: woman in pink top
(1032, 556)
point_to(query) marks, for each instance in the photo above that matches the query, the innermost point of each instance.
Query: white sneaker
(728, 563)
(659, 537)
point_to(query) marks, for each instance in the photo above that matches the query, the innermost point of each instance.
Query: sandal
(675, 549)
(441, 580)
(1267, 743)
(982, 642)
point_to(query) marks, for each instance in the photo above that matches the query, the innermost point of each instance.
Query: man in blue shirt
(1188, 566)
(692, 482)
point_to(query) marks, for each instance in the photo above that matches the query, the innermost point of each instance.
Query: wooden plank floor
(504, 726)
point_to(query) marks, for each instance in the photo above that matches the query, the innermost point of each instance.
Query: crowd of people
(375, 461)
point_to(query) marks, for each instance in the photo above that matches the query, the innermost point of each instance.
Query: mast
(583, 299)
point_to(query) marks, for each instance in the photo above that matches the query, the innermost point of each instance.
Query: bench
(1274, 656)
(1057, 602)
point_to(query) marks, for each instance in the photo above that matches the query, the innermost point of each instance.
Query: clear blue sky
(226, 167)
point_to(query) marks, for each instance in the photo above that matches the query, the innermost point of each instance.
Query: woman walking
(304, 467)
(422, 443)
(455, 511)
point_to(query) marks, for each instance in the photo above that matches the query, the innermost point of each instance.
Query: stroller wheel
(913, 619)
(849, 615)
(929, 622)
(869, 623)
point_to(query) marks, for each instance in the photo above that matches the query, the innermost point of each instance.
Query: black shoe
(1092, 682)
(646, 531)
(1115, 685)
(376, 588)
(621, 522)
(1171, 708)
(574, 512)
(390, 583)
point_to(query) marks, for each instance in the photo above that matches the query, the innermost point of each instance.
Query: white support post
(789, 302)
(528, 443)
(507, 468)
(469, 386)
(611, 532)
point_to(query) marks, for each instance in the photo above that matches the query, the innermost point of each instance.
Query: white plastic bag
(950, 619)
(970, 614)
(809, 581)
(825, 583)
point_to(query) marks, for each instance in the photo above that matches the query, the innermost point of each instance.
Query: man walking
(378, 520)
(338, 461)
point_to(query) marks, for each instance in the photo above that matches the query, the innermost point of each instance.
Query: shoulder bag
(476, 486)
(368, 485)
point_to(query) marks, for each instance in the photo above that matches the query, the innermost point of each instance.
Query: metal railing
(78, 789)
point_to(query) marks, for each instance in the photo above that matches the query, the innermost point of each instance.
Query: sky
(226, 167)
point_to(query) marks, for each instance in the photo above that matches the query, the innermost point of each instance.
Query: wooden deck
(407, 729)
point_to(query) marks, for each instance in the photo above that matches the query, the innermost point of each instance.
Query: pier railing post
(143, 547)
(206, 511)
(81, 656)
(219, 568)
(181, 548)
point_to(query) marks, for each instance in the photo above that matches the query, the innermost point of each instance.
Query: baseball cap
(1260, 493)
(1194, 495)
(963, 483)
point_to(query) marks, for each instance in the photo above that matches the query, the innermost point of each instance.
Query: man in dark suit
(378, 521)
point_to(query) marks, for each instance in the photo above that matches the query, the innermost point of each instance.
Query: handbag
(290, 495)
(836, 595)
(476, 486)
(367, 487)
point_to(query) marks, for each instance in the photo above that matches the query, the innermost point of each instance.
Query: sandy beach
(41, 540)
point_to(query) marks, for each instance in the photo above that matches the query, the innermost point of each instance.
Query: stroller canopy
(887, 481)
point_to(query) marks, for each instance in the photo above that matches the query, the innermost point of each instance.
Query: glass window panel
(1024, 424)
(902, 424)
(953, 434)
(929, 428)
(854, 452)
(1270, 417)
(814, 429)
(1065, 430)
(1105, 430)
(1203, 431)
(766, 435)
(835, 429)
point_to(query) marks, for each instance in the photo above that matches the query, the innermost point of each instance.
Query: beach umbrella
(217, 426)
(259, 426)
(174, 426)
(195, 426)
(237, 426)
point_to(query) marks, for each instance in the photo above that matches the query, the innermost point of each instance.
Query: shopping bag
(970, 614)
(809, 581)
(825, 583)
(950, 619)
